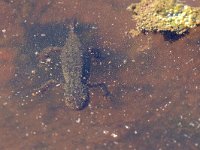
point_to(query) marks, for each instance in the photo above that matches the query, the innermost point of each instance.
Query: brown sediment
(7, 64)
(128, 125)
(11, 32)
(156, 106)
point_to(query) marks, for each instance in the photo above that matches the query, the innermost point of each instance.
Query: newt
(75, 64)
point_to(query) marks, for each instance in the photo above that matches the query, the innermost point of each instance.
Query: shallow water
(154, 82)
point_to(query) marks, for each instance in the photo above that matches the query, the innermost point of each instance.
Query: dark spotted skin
(75, 68)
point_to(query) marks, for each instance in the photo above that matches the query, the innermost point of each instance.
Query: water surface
(154, 81)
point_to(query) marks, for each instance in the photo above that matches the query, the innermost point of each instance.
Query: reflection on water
(154, 83)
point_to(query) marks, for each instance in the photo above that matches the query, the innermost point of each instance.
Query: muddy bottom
(154, 83)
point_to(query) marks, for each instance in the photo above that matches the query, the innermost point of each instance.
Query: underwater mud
(154, 83)
(7, 65)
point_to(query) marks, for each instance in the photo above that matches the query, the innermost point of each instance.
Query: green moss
(164, 15)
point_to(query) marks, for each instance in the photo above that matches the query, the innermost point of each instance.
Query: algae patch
(163, 15)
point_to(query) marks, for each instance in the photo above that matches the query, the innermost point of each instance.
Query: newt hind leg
(103, 87)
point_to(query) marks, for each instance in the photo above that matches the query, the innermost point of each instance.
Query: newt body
(75, 68)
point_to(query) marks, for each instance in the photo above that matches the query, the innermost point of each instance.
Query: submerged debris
(164, 15)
